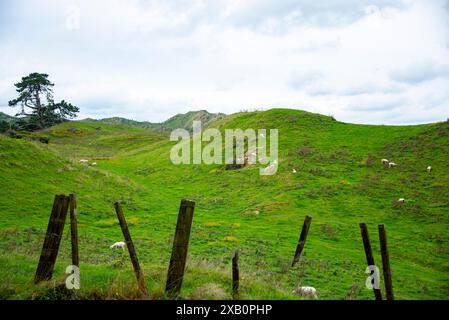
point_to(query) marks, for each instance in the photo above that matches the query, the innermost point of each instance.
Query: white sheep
(391, 164)
(429, 168)
(384, 161)
(309, 292)
(294, 171)
(401, 200)
(94, 163)
(119, 244)
(84, 161)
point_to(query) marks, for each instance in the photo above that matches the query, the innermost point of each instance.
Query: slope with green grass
(339, 182)
(6, 122)
(96, 140)
(128, 122)
(7, 117)
(185, 120)
(181, 120)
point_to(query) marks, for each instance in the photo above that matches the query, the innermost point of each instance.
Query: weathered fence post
(52, 239)
(302, 239)
(74, 230)
(235, 275)
(385, 262)
(131, 249)
(369, 255)
(180, 248)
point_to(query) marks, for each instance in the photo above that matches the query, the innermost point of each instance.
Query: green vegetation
(183, 121)
(37, 107)
(339, 182)
(6, 117)
(7, 122)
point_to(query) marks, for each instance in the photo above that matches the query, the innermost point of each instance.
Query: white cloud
(420, 72)
(150, 60)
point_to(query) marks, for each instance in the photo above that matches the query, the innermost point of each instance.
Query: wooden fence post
(369, 254)
(52, 239)
(385, 262)
(180, 248)
(74, 230)
(235, 275)
(131, 249)
(302, 239)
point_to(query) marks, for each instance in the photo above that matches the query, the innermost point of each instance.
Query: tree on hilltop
(37, 107)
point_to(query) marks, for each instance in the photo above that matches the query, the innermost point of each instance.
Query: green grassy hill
(128, 122)
(181, 120)
(339, 182)
(185, 120)
(6, 117)
(6, 122)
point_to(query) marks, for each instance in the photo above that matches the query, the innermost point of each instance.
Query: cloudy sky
(379, 62)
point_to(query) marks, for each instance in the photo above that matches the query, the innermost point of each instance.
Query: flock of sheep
(304, 291)
(389, 164)
(310, 292)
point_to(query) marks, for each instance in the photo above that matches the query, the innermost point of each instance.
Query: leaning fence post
(369, 255)
(180, 248)
(385, 262)
(131, 249)
(302, 239)
(235, 275)
(52, 239)
(74, 230)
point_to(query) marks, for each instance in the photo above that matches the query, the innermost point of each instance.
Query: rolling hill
(7, 117)
(183, 121)
(6, 122)
(339, 182)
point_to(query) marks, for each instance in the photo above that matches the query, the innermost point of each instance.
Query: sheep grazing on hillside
(391, 164)
(94, 163)
(119, 244)
(294, 171)
(385, 163)
(84, 161)
(401, 200)
(308, 292)
(429, 169)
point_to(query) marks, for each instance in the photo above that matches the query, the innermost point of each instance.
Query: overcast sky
(379, 62)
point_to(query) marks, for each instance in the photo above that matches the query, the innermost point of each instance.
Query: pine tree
(38, 109)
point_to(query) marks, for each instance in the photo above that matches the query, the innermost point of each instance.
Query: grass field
(339, 182)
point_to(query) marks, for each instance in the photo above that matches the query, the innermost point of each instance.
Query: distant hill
(7, 118)
(183, 121)
(6, 122)
(128, 122)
